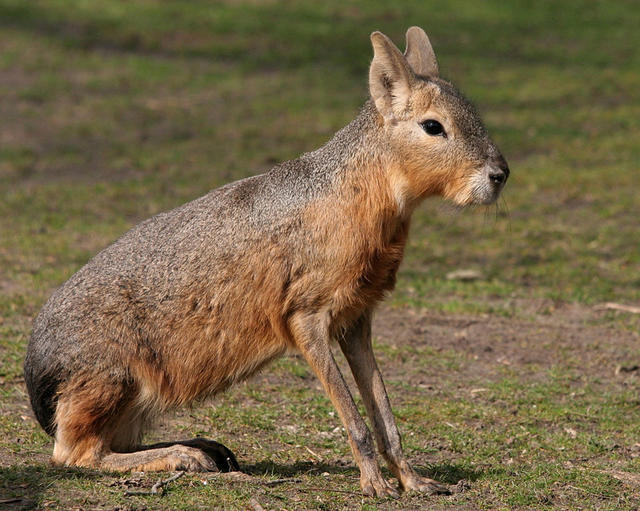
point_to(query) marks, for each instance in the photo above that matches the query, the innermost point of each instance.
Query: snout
(499, 172)
(490, 180)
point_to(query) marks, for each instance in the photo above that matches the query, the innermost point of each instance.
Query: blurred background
(113, 110)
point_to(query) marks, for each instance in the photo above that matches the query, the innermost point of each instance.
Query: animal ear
(390, 77)
(419, 53)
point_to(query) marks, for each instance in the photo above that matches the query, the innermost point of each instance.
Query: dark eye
(433, 128)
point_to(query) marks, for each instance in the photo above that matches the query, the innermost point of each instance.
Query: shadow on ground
(444, 472)
(23, 487)
(268, 467)
(451, 473)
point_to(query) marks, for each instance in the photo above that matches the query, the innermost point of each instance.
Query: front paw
(378, 487)
(425, 485)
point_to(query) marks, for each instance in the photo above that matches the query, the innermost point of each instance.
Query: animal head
(434, 134)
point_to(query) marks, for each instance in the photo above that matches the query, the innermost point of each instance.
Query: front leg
(311, 335)
(357, 347)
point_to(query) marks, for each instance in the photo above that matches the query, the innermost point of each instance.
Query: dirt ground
(477, 351)
(566, 333)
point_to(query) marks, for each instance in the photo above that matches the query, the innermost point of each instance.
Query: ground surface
(517, 382)
(529, 412)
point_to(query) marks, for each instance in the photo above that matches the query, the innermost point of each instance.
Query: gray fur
(192, 300)
(128, 290)
(139, 277)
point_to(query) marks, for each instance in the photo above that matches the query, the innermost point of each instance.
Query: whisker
(507, 212)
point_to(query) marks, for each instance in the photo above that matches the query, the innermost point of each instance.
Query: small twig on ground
(316, 455)
(282, 481)
(618, 307)
(578, 414)
(157, 488)
(317, 488)
(256, 505)
(595, 494)
(11, 501)
(242, 477)
(236, 475)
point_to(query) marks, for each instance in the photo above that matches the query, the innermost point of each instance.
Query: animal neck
(368, 195)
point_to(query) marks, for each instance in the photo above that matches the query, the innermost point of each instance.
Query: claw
(426, 485)
(436, 488)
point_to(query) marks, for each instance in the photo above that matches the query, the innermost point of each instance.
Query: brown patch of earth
(478, 349)
(572, 335)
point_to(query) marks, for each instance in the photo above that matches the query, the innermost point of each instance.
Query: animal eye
(433, 128)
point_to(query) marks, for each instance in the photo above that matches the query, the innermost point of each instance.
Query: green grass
(126, 108)
(113, 111)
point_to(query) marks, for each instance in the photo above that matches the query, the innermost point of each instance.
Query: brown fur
(196, 299)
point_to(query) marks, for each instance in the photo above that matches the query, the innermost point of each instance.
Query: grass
(113, 111)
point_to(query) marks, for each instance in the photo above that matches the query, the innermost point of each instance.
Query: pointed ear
(390, 77)
(419, 53)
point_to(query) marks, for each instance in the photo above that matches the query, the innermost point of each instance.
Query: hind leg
(95, 419)
(175, 457)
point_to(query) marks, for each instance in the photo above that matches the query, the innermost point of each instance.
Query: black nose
(498, 177)
(501, 172)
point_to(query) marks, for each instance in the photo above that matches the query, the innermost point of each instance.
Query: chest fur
(366, 277)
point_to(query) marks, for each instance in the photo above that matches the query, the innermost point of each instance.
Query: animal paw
(425, 485)
(378, 487)
(191, 459)
(221, 455)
